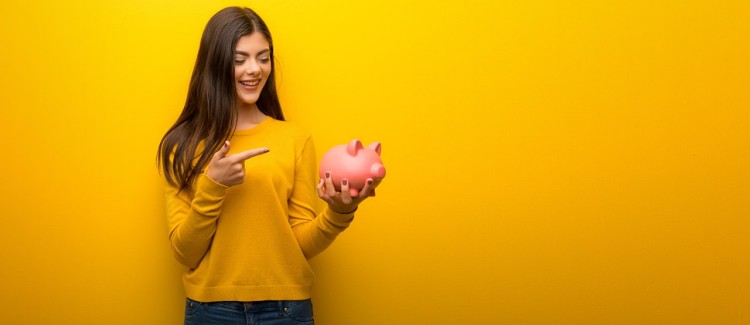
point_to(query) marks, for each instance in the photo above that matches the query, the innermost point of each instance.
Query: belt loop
(281, 307)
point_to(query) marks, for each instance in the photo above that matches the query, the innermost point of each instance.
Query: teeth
(250, 83)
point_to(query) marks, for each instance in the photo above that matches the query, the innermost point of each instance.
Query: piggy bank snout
(377, 170)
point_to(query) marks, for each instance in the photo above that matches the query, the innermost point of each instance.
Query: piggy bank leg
(353, 192)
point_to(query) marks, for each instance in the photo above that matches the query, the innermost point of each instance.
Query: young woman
(241, 185)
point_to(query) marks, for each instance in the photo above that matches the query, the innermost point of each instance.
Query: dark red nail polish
(328, 174)
(369, 182)
(344, 182)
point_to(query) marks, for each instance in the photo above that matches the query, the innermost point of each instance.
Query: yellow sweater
(251, 242)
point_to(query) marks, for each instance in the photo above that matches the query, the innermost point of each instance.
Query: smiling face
(252, 66)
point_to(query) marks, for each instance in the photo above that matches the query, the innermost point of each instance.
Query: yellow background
(549, 162)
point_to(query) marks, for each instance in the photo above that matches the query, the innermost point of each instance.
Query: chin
(249, 100)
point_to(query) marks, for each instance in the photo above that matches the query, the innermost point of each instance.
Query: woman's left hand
(342, 202)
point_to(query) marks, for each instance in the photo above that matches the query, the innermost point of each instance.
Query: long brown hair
(210, 114)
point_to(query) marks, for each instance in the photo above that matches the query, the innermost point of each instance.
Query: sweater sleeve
(314, 234)
(192, 219)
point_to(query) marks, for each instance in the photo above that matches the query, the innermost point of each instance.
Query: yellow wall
(549, 162)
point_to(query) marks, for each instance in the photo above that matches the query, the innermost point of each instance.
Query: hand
(230, 170)
(343, 202)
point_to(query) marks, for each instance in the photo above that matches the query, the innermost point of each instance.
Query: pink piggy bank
(353, 162)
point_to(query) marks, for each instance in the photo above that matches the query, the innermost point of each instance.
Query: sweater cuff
(210, 186)
(209, 196)
(341, 219)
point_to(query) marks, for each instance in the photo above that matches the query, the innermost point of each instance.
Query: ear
(375, 146)
(353, 147)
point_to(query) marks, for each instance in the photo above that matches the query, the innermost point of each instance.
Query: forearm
(191, 239)
(193, 222)
(316, 235)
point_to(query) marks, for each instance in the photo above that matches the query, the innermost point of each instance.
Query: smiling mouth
(250, 83)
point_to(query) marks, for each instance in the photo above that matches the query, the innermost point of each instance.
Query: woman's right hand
(230, 170)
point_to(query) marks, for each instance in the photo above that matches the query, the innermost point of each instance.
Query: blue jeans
(285, 312)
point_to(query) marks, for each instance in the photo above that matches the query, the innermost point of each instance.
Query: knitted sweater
(251, 242)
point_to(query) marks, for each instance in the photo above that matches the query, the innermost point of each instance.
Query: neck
(248, 116)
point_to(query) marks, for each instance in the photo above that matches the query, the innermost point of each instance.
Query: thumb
(222, 151)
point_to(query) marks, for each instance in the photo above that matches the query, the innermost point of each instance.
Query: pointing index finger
(247, 154)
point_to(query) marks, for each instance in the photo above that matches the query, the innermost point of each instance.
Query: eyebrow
(248, 54)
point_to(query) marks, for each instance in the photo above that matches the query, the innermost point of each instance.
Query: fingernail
(328, 174)
(344, 182)
(369, 182)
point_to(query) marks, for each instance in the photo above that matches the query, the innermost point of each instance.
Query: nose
(252, 68)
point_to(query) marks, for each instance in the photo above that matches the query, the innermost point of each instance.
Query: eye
(265, 60)
(239, 61)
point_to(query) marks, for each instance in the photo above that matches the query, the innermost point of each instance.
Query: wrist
(214, 182)
(338, 211)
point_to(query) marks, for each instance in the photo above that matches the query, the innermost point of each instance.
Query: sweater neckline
(255, 129)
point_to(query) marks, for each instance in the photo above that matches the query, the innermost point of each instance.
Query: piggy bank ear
(353, 147)
(375, 146)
